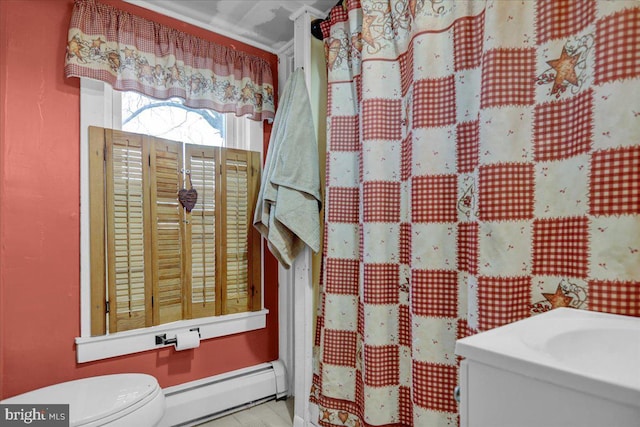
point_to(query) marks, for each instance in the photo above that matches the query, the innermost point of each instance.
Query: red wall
(39, 218)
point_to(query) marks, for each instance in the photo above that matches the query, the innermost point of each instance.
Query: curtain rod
(316, 31)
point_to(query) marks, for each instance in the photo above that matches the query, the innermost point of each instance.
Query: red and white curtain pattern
(133, 53)
(483, 166)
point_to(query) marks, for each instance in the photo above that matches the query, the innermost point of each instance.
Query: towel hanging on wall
(287, 212)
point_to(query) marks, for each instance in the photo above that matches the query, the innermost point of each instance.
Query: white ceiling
(263, 23)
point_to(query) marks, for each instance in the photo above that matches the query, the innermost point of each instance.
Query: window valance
(133, 53)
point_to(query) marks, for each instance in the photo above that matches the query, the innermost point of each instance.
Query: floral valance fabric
(133, 53)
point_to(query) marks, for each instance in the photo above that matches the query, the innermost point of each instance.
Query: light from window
(171, 119)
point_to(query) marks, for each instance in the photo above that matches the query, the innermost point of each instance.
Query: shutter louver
(202, 162)
(126, 236)
(167, 216)
(236, 284)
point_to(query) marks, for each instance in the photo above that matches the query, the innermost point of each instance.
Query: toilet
(124, 400)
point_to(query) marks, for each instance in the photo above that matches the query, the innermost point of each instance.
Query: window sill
(89, 349)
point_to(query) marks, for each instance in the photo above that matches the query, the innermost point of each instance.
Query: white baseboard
(198, 401)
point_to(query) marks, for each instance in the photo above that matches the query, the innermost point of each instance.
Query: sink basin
(601, 352)
(595, 353)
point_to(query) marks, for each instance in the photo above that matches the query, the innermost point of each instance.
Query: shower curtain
(483, 166)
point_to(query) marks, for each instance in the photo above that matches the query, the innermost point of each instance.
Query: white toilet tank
(124, 400)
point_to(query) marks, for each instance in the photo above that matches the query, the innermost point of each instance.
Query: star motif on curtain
(558, 299)
(97, 43)
(129, 53)
(565, 67)
(247, 92)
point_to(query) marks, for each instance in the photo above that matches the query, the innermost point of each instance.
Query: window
(162, 262)
(150, 265)
(171, 119)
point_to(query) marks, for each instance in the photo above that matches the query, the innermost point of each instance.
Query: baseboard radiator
(209, 398)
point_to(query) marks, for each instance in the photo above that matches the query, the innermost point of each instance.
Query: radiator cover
(198, 401)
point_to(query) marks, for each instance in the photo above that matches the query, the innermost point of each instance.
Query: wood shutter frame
(127, 230)
(243, 167)
(203, 231)
(98, 275)
(166, 221)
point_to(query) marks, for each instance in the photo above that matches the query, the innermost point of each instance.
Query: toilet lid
(94, 398)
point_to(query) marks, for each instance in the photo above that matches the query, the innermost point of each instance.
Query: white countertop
(592, 352)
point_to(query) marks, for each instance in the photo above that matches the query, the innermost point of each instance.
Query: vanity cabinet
(494, 397)
(564, 368)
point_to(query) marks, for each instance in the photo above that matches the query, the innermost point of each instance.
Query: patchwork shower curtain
(483, 166)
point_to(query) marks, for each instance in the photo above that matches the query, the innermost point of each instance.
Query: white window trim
(97, 102)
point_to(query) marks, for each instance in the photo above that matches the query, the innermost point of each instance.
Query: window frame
(99, 106)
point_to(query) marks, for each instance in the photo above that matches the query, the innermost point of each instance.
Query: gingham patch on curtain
(483, 166)
(133, 53)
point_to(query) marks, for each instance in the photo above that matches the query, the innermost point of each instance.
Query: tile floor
(270, 414)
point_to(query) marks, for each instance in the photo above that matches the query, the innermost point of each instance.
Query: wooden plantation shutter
(128, 296)
(219, 227)
(167, 216)
(97, 230)
(203, 231)
(240, 177)
(154, 262)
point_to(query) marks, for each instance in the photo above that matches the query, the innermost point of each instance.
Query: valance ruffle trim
(133, 53)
